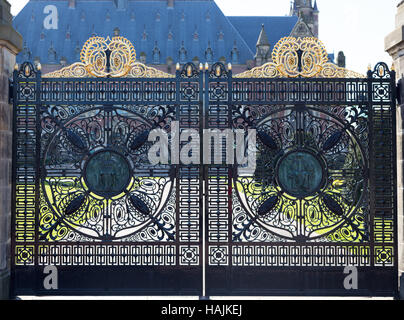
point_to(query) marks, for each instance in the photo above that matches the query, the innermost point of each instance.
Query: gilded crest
(299, 57)
(108, 57)
(114, 58)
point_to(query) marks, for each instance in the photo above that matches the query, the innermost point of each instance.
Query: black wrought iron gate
(320, 197)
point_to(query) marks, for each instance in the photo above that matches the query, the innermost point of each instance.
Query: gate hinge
(10, 91)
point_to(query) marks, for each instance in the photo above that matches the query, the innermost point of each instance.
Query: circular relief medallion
(300, 174)
(107, 174)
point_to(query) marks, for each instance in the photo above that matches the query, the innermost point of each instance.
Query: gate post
(10, 46)
(394, 45)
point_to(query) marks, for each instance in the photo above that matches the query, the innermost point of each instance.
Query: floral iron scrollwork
(97, 182)
(308, 185)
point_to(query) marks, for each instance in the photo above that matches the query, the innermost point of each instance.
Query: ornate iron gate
(321, 197)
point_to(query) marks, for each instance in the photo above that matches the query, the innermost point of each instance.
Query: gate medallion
(107, 174)
(300, 174)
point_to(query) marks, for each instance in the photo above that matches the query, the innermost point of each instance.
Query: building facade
(163, 32)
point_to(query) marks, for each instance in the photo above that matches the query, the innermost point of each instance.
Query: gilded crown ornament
(299, 57)
(114, 58)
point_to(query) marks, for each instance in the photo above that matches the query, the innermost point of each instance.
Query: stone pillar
(394, 45)
(10, 46)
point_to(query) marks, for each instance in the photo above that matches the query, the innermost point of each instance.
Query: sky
(357, 27)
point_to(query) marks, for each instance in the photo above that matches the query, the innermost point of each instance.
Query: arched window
(196, 61)
(169, 63)
(143, 57)
(156, 54)
(52, 54)
(209, 54)
(26, 53)
(234, 54)
(183, 54)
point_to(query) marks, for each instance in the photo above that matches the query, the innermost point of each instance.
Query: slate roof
(146, 23)
(275, 28)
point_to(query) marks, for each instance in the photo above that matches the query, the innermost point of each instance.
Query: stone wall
(10, 45)
(394, 45)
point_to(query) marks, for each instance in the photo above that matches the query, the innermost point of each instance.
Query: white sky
(357, 27)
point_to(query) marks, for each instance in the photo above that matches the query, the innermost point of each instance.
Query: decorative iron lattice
(321, 195)
(86, 194)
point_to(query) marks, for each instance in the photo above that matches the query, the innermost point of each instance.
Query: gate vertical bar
(232, 167)
(38, 107)
(218, 174)
(24, 177)
(372, 180)
(177, 166)
(202, 106)
(393, 88)
(383, 160)
(14, 185)
(190, 99)
(205, 175)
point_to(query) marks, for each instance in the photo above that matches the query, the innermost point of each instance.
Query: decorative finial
(315, 8)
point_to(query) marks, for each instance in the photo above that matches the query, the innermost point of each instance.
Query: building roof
(197, 24)
(275, 28)
(315, 6)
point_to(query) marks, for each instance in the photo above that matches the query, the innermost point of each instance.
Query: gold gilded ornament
(299, 57)
(102, 58)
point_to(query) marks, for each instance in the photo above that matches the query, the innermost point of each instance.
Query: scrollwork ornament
(93, 176)
(307, 186)
(27, 70)
(115, 58)
(299, 57)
